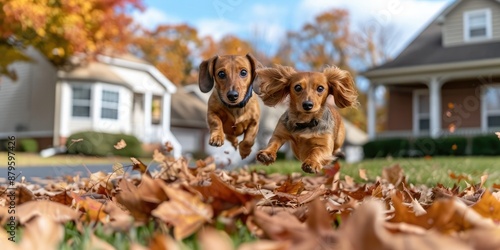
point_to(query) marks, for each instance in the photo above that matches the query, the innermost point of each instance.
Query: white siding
(28, 103)
(95, 122)
(190, 139)
(453, 27)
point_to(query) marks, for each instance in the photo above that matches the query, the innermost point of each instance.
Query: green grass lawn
(427, 171)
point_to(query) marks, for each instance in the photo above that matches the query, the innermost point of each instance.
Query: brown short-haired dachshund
(313, 127)
(232, 109)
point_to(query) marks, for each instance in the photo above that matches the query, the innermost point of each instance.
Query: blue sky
(268, 21)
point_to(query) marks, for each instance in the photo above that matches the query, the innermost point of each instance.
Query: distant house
(447, 80)
(114, 95)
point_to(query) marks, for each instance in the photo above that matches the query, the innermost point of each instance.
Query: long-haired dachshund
(313, 127)
(232, 109)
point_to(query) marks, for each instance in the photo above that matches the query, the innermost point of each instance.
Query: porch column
(435, 107)
(371, 111)
(148, 100)
(166, 112)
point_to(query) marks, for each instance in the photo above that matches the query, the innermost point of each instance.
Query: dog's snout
(307, 105)
(232, 95)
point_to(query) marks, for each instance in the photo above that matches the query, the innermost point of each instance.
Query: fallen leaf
(488, 206)
(120, 145)
(185, 211)
(49, 209)
(362, 174)
(138, 165)
(393, 174)
(42, 233)
(211, 238)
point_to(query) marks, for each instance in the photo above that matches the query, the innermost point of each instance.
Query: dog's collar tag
(304, 125)
(243, 102)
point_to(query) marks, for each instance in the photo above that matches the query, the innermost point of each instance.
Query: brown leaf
(211, 238)
(138, 165)
(24, 195)
(185, 211)
(266, 245)
(120, 145)
(119, 220)
(97, 243)
(62, 198)
(393, 174)
(163, 241)
(92, 208)
(365, 229)
(362, 174)
(223, 196)
(290, 187)
(49, 209)
(130, 198)
(459, 178)
(42, 233)
(488, 206)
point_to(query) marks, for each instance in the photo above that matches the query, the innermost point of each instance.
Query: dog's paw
(265, 157)
(216, 140)
(245, 149)
(311, 167)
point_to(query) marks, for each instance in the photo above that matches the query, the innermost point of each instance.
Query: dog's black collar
(242, 103)
(303, 125)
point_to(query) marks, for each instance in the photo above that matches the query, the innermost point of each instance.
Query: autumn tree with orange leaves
(61, 29)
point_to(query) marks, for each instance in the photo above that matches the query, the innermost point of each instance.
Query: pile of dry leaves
(283, 212)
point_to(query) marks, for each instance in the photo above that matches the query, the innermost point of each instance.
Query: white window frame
(81, 102)
(110, 105)
(489, 28)
(484, 111)
(416, 114)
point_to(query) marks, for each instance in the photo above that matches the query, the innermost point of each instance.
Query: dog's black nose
(232, 95)
(307, 105)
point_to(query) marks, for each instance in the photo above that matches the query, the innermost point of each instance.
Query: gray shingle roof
(427, 49)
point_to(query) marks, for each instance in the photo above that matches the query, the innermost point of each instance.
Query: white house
(114, 95)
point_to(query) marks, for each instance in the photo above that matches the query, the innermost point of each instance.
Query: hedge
(444, 146)
(28, 145)
(397, 147)
(102, 144)
(486, 145)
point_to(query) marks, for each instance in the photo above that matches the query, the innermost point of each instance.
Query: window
(156, 110)
(110, 101)
(492, 107)
(422, 110)
(81, 101)
(477, 25)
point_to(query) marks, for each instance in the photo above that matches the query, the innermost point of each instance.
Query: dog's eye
(221, 74)
(321, 89)
(298, 88)
(243, 73)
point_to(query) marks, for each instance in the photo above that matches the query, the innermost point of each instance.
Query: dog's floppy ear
(254, 64)
(205, 77)
(272, 84)
(341, 86)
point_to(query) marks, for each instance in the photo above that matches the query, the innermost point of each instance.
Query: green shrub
(485, 145)
(451, 146)
(28, 145)
(397, 147)
(425, 146)
(102, 144)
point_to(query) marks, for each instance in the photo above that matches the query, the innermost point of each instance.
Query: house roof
(427, 49)
(448, 9)
(142, 66)
(94, 71)
(188, 110)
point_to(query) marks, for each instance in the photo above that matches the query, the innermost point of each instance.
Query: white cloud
(152, 17)
(217, 27)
